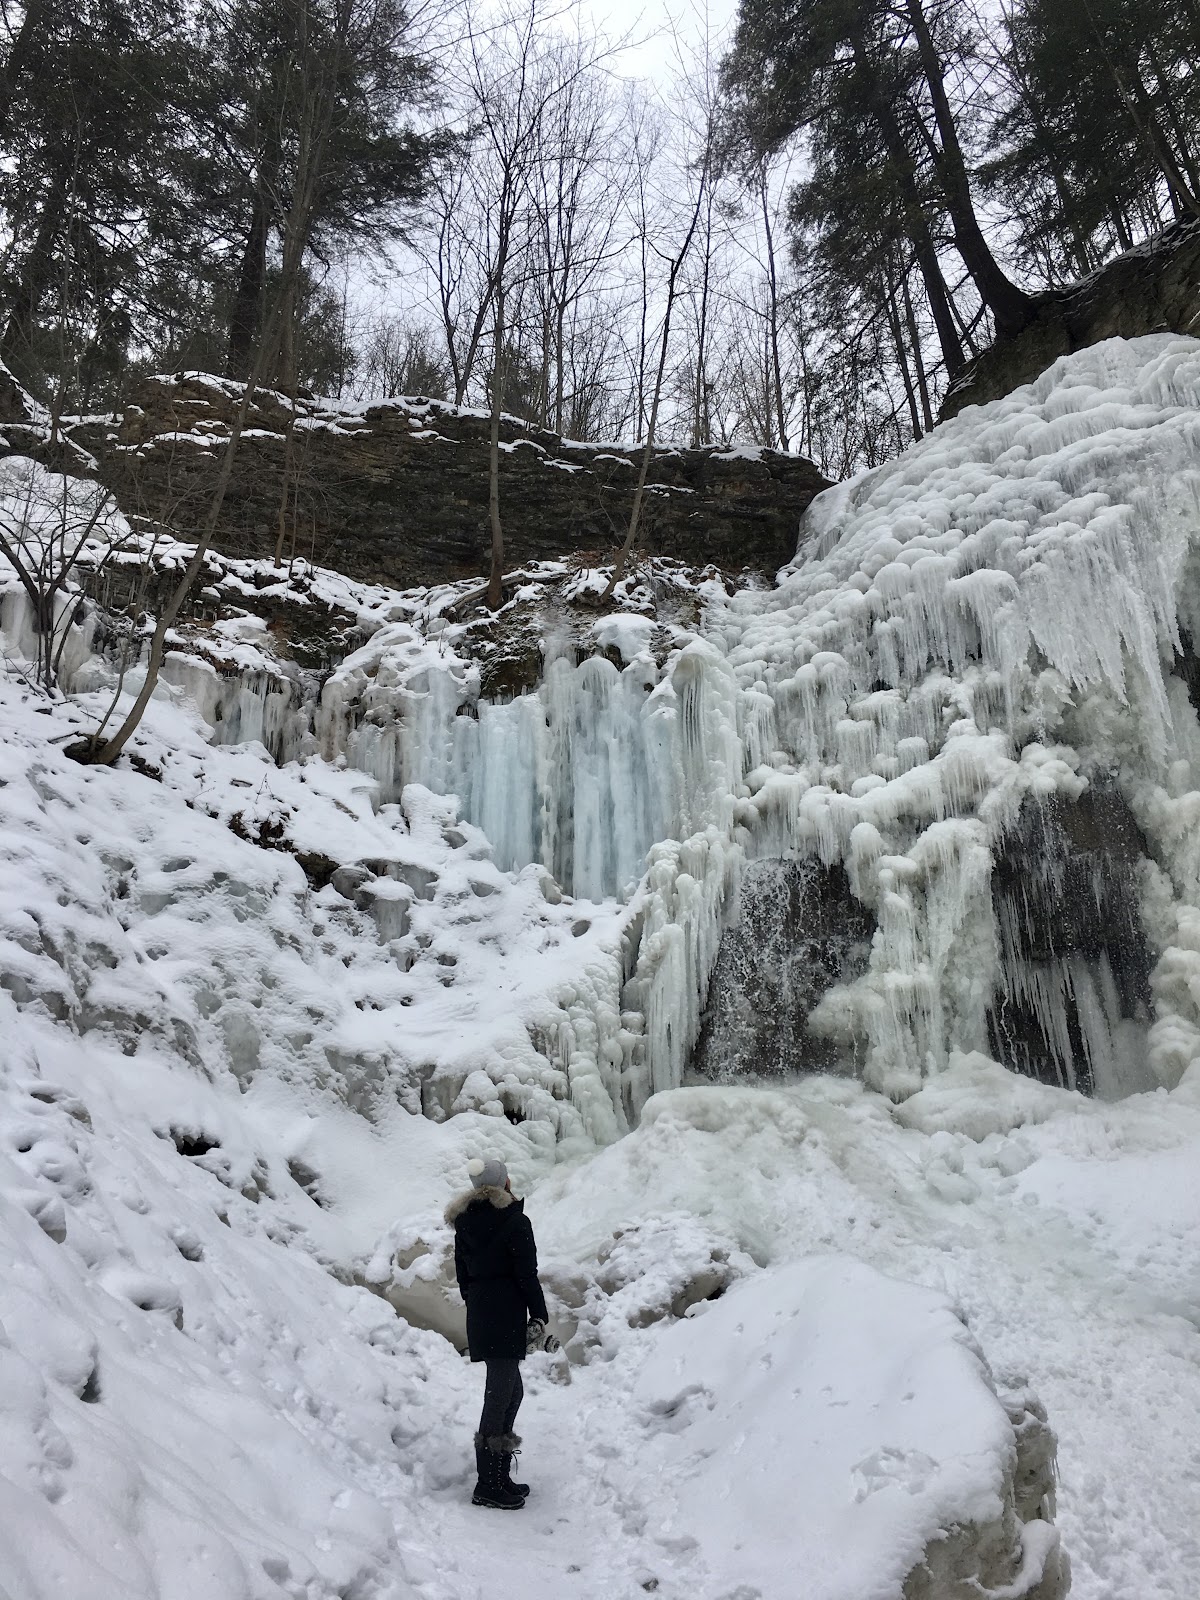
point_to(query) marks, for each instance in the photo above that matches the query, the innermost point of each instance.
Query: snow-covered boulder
(829, 1431)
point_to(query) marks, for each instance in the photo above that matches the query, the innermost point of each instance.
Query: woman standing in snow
(495, 1260)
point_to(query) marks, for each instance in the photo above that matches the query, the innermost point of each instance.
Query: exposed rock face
(1073, 1007)
(1018, 1556)
(1072, 1003)
(396, 493)
(799, 930)
(1154, 288)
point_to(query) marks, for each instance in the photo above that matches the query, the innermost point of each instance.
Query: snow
(793, 1357)
(267, 987)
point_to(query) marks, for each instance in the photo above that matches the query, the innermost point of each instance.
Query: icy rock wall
(999, 618)
(253, 705)
(1073, 1002)
(798, 930)
(583, 775)
(991, 618)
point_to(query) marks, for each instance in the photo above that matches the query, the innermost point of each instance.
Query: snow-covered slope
(195, 1405)
(256, 1015)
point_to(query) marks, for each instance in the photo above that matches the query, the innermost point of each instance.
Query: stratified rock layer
(397, 493)
(1154, 288)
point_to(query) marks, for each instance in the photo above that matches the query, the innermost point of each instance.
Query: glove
(536, 1338)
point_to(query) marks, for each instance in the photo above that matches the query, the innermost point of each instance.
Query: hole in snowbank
(193, 1142)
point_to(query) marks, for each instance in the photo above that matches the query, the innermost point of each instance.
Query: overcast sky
(651, 23)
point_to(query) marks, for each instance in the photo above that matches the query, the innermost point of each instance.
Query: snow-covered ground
(255, 1018)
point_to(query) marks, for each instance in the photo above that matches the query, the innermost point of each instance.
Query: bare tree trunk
(245, 318)
(918, 357)
(915, 222)
(618, 571)
(776, 373)
(105, 754)
(1011, 307)
(495, 588)
(910, 393)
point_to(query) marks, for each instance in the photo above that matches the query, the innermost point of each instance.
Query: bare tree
(399, 357)
(701, 173)
(48, 522)
(453, 245)
(577, 196)
(516, 75)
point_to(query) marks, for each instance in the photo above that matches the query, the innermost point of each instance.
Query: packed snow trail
(1072, 1245)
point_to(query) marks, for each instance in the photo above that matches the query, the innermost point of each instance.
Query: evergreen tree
(1099, 138)
(93, 96)
(315, 145)
(866, 84)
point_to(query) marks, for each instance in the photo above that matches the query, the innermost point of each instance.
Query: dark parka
(495, 1260)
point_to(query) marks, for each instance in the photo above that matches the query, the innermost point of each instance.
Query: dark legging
(503, 1392)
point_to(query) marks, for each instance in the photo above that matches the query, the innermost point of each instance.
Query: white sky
(652, 24)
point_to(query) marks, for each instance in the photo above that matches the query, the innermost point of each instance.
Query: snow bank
(166, 1426)
(829, 1425)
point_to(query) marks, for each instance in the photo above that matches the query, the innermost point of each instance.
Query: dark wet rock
(1073, 1004)
(799, 929)
(1154, 288)
(397, 493)
(15, 404)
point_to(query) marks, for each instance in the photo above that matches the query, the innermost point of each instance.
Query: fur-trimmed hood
(490, 1192)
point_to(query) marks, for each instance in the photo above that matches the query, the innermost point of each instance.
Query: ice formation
(1000, 620)
(272, 982)
(995, 626)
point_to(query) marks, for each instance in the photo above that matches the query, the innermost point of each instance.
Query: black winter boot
(511, 1447)
(492, 1489)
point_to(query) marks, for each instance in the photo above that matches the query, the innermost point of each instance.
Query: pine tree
(93, 91)
(866, 85)
(1099, 139)
(316, 148)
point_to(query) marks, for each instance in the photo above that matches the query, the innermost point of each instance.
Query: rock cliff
(397, 492)
(1154, 288)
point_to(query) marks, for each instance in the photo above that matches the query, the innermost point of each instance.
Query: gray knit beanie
(490, 1174)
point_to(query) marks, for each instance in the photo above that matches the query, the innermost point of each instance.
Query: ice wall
(583, 774)
(991, 619)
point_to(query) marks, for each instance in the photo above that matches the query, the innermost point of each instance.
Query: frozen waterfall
(582, 774)
(873, 776)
